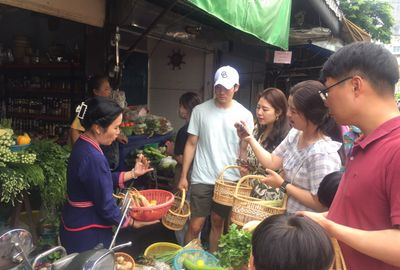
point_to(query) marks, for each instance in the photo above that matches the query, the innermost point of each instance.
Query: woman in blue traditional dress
(91, 212)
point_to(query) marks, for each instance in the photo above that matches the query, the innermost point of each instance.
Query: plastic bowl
(127, 258)
(194, 255)
(19, 147)
(160, 247)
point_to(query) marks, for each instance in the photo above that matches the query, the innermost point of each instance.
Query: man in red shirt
(365, 214)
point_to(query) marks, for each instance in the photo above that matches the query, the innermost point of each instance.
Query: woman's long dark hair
(307, 101)
(278, 101)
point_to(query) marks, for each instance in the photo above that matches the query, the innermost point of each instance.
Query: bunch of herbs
(234, 248)
(52, 158)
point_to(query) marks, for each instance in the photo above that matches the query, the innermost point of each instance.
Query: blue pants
(84, 240)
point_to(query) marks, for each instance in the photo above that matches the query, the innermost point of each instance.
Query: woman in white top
(308, 152)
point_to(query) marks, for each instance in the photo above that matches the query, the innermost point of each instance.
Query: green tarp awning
(268, 20)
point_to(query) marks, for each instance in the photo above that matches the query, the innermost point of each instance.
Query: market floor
(143, 237)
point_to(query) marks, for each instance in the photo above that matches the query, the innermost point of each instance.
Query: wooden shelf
(35, 91)
(39, 117)
(40, 66)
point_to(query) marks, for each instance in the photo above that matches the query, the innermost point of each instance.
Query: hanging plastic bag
(119, 97)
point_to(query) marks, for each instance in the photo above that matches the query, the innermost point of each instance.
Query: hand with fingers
(142, 166)
(244, 170)
(183, 184)
(242, 130)
(320, 218)
(272, 179)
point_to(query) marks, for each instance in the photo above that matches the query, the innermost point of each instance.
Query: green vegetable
(168, 163)
(5, 123)
(153, 152)
(52, 158)
(166, 257)
(234, 248)
(17, 169)
(32, 173)
(13, 184)
(273, 203)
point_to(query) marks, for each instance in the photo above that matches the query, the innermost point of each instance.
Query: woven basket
(246, 208)
(127, 258)
(178, 214)
(338, 262)
(224, 190)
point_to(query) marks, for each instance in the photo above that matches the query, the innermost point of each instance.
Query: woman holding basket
(91, 212)
(308, 152)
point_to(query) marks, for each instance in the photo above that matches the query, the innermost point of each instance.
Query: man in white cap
(213, 144)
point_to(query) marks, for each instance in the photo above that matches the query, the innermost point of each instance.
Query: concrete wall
(250, 64)
(166, 84)
(197, 75)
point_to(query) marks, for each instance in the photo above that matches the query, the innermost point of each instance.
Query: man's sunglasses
(324, 93)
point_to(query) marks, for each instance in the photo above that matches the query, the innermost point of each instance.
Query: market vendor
(99, 86)
(91, 212)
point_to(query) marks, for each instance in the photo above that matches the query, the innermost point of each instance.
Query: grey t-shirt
(218, 142)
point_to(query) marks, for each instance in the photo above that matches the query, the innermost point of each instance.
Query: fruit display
(16, 165)
(23, 139)
(127, 128)
(25, 164)
(140, 126)
(9, 156)
(6, 155)
(148, 125)
(6, 137)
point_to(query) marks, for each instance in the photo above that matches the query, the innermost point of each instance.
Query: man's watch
(283, 186)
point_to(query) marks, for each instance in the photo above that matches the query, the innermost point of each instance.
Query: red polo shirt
(368, 197)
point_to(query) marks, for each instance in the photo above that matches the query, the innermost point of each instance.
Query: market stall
(146, 134)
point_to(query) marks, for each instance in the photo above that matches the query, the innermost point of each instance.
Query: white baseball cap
(226, 76)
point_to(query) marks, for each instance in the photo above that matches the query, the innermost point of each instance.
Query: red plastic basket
(164, 202)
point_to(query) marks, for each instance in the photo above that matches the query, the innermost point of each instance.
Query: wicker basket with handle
(338, 262)
(246, 208)
(178, 214)
(224, 189)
